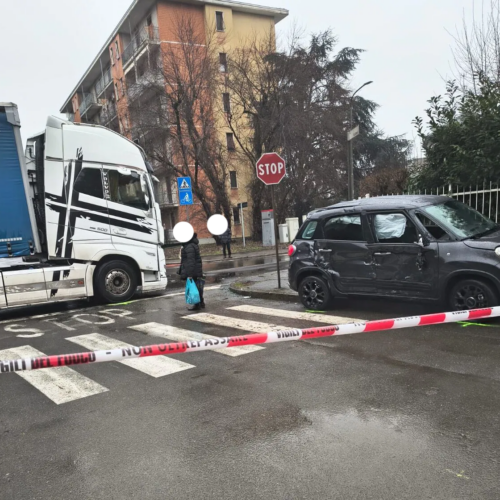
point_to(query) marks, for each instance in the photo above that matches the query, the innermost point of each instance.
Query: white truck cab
(78, 217)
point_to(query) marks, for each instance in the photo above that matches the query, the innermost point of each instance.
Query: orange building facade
(102, 95)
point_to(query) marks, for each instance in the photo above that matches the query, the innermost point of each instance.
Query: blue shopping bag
(192, 294)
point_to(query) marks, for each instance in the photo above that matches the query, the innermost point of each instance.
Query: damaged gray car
(426, 248)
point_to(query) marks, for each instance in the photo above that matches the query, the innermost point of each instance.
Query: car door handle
(120, 231)
(325, 250)
(382, 253)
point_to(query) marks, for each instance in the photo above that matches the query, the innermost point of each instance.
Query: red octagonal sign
(271, 168)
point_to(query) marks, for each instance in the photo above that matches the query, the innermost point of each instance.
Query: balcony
(89, 106)
(103, 82)
(166, 200)
(140, 39)
(108, 114)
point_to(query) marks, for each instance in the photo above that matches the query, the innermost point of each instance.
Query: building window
(111, 55)
(234, 179)
(223, 62)
(226, 102)
(117, 50)
(127, 123)
(230, 141)
(122, 86)
(236, 216)
(219, 21)
(149, 21)
(117, 94)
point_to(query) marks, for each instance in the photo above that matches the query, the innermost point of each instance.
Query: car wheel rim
(313, 294)
(470, 297)
(117, 282)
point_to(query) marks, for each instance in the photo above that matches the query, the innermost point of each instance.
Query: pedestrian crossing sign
(185, 190)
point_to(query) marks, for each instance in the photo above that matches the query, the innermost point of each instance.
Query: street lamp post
(350, 164)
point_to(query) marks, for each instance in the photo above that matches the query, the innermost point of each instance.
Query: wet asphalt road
(406, 414)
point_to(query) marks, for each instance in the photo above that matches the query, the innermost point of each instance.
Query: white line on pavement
(240, 324)
(61, 384)
(181, 335)
(157, 366)
(284, 313)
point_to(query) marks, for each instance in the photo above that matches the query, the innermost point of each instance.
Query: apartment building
(104, 93)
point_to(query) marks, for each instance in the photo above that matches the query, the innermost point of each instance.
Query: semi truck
(78, 216)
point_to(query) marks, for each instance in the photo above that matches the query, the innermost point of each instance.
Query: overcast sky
(45, 46)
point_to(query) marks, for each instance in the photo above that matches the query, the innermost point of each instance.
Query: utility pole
(351, 134)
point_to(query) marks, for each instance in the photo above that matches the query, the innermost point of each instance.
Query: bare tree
(477, 45)
(172, 112)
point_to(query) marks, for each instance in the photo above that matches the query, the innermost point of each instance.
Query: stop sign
(271, 168)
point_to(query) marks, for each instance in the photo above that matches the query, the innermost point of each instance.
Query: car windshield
(464, 222)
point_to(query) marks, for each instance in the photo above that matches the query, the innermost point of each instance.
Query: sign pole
(242, 224)
(276, 236)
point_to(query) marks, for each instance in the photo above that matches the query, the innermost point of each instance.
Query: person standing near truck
(192, 266)
(225, 239)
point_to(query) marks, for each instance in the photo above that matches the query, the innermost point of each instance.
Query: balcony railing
(103, 82)
(89, 105)
(108, 113)
(166, 200)
(149, 34)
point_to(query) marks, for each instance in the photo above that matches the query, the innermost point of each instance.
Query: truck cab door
(132, 216)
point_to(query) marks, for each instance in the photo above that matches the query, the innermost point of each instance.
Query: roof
(138, 10)
(384, 202)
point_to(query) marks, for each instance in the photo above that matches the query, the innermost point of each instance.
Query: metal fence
(484, 199)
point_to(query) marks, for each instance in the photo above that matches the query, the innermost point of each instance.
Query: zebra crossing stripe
(155, 367)
(61, 384)
(239, 324)
(284, 313)
(181, 335)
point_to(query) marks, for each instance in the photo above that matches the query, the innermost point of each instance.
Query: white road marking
(284, 313)
(181, 335)
(240, 324)
(155, 366)
(61, 384)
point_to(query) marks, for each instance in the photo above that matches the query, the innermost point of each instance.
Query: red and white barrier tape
(124, 353)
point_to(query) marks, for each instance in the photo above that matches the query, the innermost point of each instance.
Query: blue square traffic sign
(185, 190)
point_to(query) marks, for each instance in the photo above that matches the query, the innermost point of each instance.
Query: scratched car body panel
(410, 247)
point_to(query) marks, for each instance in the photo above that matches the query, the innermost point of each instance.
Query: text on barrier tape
(122, 353)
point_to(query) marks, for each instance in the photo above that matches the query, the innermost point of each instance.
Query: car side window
(432, 228)
(344, 228)
(309, 230)
(394, 228)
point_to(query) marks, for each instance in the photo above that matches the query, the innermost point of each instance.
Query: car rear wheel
(472, 294)
(314, 293)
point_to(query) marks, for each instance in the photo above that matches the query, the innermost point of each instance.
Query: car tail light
(291, 250)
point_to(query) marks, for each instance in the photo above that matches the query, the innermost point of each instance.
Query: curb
(248, 292)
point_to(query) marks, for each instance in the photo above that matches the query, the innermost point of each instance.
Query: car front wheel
(472, 294)
(314, 293)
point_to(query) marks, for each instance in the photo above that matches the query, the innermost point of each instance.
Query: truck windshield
(462, 221)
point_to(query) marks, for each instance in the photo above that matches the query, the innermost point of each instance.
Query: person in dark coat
(225, 239)
(192, 265)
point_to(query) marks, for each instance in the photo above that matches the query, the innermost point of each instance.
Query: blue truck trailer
(18, 236)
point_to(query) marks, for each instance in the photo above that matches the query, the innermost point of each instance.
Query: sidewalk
(265, 286)
(219, 258)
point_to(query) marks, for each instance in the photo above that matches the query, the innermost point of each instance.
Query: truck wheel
(314, 293)
(472, 294)
(115, 281)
